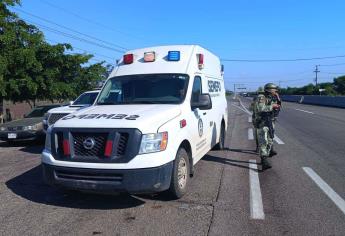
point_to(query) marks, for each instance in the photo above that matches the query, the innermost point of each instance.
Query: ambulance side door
(200, 121)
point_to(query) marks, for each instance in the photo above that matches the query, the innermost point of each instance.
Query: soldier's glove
(276, 106)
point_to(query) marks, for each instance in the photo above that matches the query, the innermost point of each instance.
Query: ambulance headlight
(153, 142)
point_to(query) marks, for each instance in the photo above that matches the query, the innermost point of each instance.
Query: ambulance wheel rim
(182, 173)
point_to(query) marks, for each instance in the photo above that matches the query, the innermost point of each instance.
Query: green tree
(339, 85)
(31, 68)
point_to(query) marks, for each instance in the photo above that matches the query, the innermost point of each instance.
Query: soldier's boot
(272, 152)
(265, 164)
(257, 150)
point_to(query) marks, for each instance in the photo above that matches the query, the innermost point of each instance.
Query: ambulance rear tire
(221, 144)
(180, 175)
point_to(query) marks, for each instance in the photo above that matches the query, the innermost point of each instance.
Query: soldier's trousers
(256, 136)
(265, 141)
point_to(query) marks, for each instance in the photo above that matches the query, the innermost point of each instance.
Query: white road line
(250, 134)
(256, 206)
(326, 188)
(304, 111)
(241, 109)
(250, 119)
(244, 107)
(278, 140)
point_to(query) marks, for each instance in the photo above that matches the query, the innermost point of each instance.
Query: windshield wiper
(107, 103)
(144, 102)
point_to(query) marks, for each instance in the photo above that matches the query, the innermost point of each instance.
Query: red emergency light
(200, 61)
(183, 123)
(66, 148)
(128, 59)
(108, 148)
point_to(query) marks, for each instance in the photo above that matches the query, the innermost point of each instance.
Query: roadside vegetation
(32, 69)
(337, 88)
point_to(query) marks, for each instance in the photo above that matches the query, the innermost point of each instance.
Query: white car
(160, 111)
(84, 100)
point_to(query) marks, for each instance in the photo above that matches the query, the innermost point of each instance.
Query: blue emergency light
(173, 55)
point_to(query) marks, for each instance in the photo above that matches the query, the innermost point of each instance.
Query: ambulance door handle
(204, 113)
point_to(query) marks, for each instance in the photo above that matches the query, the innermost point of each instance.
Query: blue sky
(246, 29)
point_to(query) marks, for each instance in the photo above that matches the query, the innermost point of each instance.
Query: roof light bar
(128, 59)
(200, 61)
(173, 55)
(149, 56)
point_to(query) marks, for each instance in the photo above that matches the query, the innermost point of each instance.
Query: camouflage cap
(260, 90)
(270, 86)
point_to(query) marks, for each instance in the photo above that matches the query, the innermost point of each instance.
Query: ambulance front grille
(98, 148)
(92, 145)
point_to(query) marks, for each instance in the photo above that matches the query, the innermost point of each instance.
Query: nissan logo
(89, 143)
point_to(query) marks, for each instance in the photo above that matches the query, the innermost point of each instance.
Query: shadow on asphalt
(247, 151)
(33, 147)
(37, 149)
(228, 161)
(30, 186)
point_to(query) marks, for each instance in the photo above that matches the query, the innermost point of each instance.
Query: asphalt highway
(303, 194)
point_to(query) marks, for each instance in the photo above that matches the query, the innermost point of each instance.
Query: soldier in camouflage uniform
(266, 109)
(255, 117)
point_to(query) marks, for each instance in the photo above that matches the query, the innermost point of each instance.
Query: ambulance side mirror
(204, 102)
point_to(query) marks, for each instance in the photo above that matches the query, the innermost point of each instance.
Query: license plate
(11, 135)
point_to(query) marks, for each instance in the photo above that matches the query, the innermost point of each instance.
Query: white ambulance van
(84, 100)
(160, 111)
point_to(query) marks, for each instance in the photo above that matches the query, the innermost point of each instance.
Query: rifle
(279, 102)
(267, 119)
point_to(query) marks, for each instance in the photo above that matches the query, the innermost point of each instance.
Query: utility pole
(237, 86)
(316, 71)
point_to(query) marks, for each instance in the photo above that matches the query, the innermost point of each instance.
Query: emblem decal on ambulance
(200, 127)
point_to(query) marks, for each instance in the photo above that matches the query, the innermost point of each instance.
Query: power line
(283, 60)
(260, 82)
(88, 20)
(338, 64)
(68, 35)
(94, 59)
(268, 76)
(332, 73)
(72, 30)
(81, 49)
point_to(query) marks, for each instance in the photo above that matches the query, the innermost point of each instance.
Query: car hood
(67, 109)
(147, 118)
(23, 122)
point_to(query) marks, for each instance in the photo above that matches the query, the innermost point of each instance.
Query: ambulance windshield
(145, 89)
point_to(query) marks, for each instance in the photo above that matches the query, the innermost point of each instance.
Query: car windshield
(145, 89)
(39, 111)
(86, 99)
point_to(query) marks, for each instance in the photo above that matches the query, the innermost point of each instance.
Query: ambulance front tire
(221, 144)
(180, 174)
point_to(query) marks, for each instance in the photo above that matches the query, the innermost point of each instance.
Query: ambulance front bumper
(143, 180)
